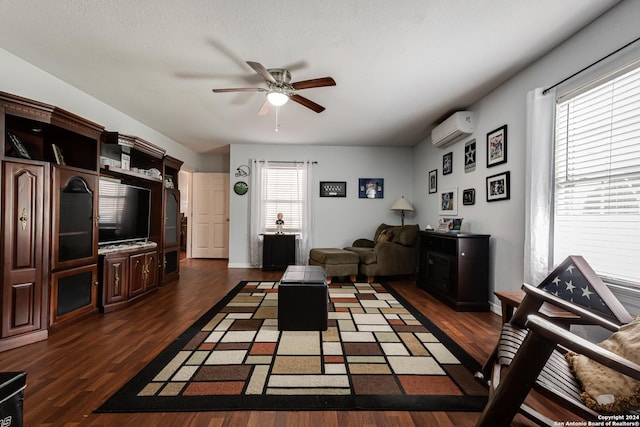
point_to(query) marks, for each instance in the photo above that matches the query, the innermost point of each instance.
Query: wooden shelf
(127, 172)
(39, 126)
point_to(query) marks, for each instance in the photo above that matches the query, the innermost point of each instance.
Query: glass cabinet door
(171, 221)
(75, 234)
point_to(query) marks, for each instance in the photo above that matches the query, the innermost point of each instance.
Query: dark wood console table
(454, 267)
(278, 251)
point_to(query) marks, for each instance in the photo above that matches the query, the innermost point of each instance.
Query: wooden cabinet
(278, 251)
(50, 164)
(74, 244)
(40, 147)
(142, 277)
(144, 269)
(115, 277)
(170, 255)
(144, 170)
(127, 274)
(171, 236)
(454, 267)
(24, 253)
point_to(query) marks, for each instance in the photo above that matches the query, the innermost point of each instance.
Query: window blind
(283, 192)
(597, 179)
(111, 202)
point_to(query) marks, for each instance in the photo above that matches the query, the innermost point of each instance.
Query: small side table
(278, 251)
(303, 299)
(511, 300)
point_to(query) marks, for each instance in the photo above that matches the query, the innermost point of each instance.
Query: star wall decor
(470, 156)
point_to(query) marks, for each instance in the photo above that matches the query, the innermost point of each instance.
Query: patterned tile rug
(378, 352)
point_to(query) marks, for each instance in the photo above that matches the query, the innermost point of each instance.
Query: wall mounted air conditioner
(456, 127)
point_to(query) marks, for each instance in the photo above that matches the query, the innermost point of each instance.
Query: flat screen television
(123, 212)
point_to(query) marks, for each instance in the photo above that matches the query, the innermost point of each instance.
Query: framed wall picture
(449, 201)
(497, 147)
(447, 163)
(371, 188)
(470, 156)
(433, 181)
(469, 196)
(333, 189)
(498, 187)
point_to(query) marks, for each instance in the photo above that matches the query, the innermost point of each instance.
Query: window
(597, 179)
(281, 187)
(283, 191)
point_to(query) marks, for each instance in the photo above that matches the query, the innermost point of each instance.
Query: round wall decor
(240, 188)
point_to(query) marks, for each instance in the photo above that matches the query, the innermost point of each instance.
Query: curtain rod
(287, 161)
(544, 92)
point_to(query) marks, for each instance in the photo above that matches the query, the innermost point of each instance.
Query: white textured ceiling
(399, 65)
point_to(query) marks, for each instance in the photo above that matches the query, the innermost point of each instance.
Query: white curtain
(256, 219)
(538, 184)
(307, 231)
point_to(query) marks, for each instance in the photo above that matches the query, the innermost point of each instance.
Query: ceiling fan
(280, 89)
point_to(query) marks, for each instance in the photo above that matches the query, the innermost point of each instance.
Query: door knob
(24, 218)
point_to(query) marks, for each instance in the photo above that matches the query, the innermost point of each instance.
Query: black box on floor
(12, 385)
(303, 299)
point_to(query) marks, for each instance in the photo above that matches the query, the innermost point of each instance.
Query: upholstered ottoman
(336, 262)
(303, 299)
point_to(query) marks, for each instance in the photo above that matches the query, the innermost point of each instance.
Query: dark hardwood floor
(80, 366)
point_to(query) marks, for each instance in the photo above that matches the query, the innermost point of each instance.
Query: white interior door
(210, 231)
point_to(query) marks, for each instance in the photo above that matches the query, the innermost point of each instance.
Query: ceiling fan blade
(240, 89)
(296, 66)
(308, 84)
(259, 68)
(307, 103)
(265, 109)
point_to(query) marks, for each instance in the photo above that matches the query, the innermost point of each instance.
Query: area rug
(378, 353)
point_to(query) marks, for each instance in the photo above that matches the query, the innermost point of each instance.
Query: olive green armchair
(393, 251)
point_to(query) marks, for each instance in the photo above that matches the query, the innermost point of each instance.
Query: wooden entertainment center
(54, 271)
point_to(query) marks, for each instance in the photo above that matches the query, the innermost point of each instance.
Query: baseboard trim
(495, 308)
(239, 265)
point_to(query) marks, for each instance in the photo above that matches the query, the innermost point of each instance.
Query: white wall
(504, 220)
(20, 78)
(338, 221)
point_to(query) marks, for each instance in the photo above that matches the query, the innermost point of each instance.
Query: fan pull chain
(277, 119)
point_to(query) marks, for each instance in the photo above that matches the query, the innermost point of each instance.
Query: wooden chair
(530, 355)
(566, 282)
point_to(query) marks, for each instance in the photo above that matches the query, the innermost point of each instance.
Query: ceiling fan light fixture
(277, 98)
(280, 89)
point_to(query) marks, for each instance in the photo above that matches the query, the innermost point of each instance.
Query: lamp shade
(402, 204)
(277, 98)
